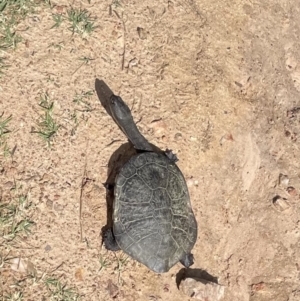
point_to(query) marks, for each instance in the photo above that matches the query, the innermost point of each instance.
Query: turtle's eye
(113, 99)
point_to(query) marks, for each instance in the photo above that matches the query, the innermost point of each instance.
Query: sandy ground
(218, 82)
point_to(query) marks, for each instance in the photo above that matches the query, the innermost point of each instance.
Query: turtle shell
(153, 219)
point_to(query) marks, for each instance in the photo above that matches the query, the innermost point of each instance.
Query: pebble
(291, 191)
(133, 62)
(21, 265)
(201, 289)
(280, 204)
(79, 274)
(142, 33)
(49, 203)
(227, 137)
(178, 136)
(192, 182)
(8, 184)
(58, 207)
(159, 127)
(257, 287)
(48, 248)
(283, 180)
(112, 289)
(11, 172)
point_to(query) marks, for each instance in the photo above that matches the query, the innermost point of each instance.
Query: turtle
(152, 220)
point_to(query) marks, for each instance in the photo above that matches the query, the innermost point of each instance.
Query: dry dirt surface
(218, 82)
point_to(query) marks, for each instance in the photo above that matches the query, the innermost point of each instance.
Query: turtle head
(119, 110)
(123, 118)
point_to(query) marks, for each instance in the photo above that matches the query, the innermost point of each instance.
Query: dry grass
(4, 131)
(17, 272)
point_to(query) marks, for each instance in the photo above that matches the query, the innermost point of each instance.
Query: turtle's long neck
(123, 118)
(134, 135)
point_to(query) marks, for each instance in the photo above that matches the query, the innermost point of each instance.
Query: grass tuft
(4, 126)
(81, 21)
(81, 98)
(9, 38)
(121, 264)
(59, 291)
(58, 19)
(3, 65)
(17, 296)
(11, 12)
(104, 263)
(4, 131)
(14, 221)
(47, 126)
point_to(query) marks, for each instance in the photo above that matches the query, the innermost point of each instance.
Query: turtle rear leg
(187, 260)
(110, 240)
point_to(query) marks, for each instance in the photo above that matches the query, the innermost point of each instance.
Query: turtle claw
(171, 155)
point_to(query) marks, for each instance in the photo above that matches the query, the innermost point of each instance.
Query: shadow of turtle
(115, 163)
(117, 159)
(104, 93)
(198, 274)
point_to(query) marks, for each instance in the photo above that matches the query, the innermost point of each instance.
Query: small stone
(142, 33)
(18, 265)
(11, 172)
(163, 138)
(280, 204)
(291, 63)
(60, 8)
(201, 289)
(79, 274)
(154, 298)
(283, 180)
(133, 62)
(166, 288)
(58, 207)
(178, 136)
(291, 191)
(112, 289)
(171, 6)
(49, 203)
(8, 184)
(46, 177)
(23, 266)
(227, 137)
(48, 248)
(189, 182)
(258, 286)
(159, 126)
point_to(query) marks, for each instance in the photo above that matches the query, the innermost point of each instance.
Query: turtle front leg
(173, 158)
(108, 186)
(110, 242)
